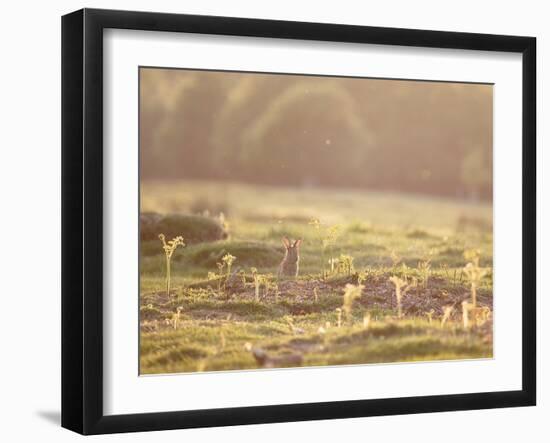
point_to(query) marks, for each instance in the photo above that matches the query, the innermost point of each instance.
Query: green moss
(150, 312)
(248, 253)
(193, 228)
(420, 234)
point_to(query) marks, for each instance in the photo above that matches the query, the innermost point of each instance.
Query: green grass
(386, 234)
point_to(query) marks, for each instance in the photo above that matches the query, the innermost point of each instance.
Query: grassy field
(357, 249)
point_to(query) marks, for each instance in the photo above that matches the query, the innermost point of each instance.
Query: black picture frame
(82, 219)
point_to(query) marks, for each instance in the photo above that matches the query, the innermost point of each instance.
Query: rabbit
(290, 265)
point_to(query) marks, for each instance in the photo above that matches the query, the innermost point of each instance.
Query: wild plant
(201, 365)
(331, 235)
(220, 265)
(267, 281)
(316, 225)
(275, 287)
(322, 331)
(213, 276)
(430, 314)
(228, 260)
(290, 322)
(466, 308)
(445, 269)
(242, 276)
(315, 295)
(345, 264)
(257, 283)
(473, 316)
(447, 311)
(203, 362)
(332, 263)
(401, 288)
(474, 272)
(424, 270)
(366, 321)
(362, 277)
(176, 317)
(339, 317)
(224, 271)
(395, 258)
(169, 249)
(351, 293)
(485, 314)
(328, 238)
(223, 221)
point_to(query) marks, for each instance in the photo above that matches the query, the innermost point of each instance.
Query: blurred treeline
(421, 137)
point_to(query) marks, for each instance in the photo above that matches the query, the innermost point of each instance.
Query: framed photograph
(268, 221)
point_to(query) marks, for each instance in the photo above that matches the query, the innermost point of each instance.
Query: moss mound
(248, 253)
(193, 228)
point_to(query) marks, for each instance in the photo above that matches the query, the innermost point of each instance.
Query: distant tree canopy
(425, 137)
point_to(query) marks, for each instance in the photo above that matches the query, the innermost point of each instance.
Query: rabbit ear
(286, 242)
(297, 243)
